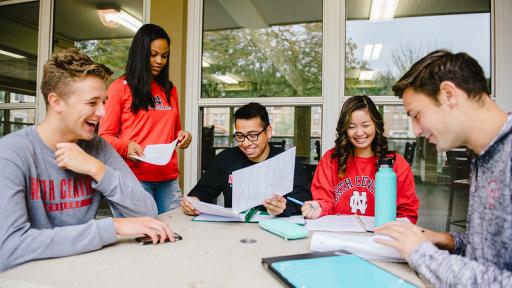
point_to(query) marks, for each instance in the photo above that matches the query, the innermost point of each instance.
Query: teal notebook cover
(335, 271)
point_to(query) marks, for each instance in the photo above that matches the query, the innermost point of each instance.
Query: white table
(210, 255)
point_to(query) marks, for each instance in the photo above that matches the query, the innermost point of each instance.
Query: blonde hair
(66, 66)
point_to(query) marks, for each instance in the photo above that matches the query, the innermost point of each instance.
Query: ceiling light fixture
(113, 18)
(372, 51)
(13, 55)
(366, 75)
(383, 10)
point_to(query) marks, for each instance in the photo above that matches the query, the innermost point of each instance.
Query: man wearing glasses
(253, 131)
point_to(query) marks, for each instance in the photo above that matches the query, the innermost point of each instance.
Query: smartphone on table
(145, 240)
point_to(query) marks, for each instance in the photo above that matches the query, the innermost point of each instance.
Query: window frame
(332, 98)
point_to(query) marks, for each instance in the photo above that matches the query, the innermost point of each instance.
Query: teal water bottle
(385, 192)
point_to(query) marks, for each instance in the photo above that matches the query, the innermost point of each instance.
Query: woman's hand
(184, 139)
(134, 149)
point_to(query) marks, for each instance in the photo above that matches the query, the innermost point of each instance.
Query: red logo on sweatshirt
(69, 193)
(493, 194)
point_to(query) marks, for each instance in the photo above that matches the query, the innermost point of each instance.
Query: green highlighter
(249, 214)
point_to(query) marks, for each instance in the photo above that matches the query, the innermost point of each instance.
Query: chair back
(410, 148)
(207, 152)
(278, 144)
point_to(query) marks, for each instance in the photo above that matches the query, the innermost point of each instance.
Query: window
(380, 49)
(86, 25)
(15, 119)
(18, 61)
(253, 49)
(285, 126)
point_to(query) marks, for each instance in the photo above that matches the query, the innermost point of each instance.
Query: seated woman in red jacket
(344, 181)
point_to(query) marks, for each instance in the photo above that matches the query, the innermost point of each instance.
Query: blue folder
(332, 271)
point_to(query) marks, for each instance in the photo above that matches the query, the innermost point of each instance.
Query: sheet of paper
(361, 245)
(216, 218)
(158, 154)
(335, 223)
(212, 209)
(297, 219)
(253, 184)
(369, 222)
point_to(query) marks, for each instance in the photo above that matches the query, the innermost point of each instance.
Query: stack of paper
(345, 223)
(363, 246)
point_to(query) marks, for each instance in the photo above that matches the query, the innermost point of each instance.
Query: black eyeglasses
(240, 137)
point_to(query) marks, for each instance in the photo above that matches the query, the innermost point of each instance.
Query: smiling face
(259, 149)
(158, 56)
(361, 132)
(435, 121)
(82, 108)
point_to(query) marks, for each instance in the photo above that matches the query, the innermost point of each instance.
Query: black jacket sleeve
(209, 186)
(301, 191)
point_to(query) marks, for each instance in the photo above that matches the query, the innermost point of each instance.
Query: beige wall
(172, 16)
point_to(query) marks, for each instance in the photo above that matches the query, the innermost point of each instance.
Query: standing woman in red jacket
(344, 181)
(142, 109)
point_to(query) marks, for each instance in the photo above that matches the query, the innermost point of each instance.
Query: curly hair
(344, 149)
(66, 66)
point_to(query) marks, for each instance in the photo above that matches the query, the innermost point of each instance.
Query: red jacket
(355, 192)
(158, 125)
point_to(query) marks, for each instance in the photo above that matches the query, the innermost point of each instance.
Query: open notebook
(360, 245)
(216, 213)
(345, 223)
(331, 270)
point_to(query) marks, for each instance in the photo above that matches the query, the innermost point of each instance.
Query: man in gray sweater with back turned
(447, 98)
(53, 175)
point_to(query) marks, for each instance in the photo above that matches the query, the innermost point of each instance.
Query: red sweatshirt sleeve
(110, 124)
(407, 200)
(322, 186)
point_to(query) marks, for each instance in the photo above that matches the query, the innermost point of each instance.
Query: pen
(301, 203)
(295, 201)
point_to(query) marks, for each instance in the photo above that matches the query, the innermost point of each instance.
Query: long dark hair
(343, 147)
(138, 71)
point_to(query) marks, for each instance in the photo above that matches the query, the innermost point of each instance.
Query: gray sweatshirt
(48, 212)
(485, 250)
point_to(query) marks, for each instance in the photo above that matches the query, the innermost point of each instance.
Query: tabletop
(211, 254)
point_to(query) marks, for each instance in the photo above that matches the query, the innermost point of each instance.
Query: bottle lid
(387, 159)
(386, 162)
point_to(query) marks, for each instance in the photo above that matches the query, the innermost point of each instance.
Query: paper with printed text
(253, 184)
(158, 154)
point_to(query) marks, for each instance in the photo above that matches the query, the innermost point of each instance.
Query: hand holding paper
(157, 154)
(365, 246)
(188, 207)
(253, 184)
(275, 205)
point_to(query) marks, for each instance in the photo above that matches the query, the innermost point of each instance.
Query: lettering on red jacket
(347, 184)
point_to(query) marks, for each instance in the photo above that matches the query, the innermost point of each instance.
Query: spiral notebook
(363, 246)
(331, 269)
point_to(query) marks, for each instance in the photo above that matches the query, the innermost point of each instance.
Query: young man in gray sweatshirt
(446, 96)
(53, 175)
